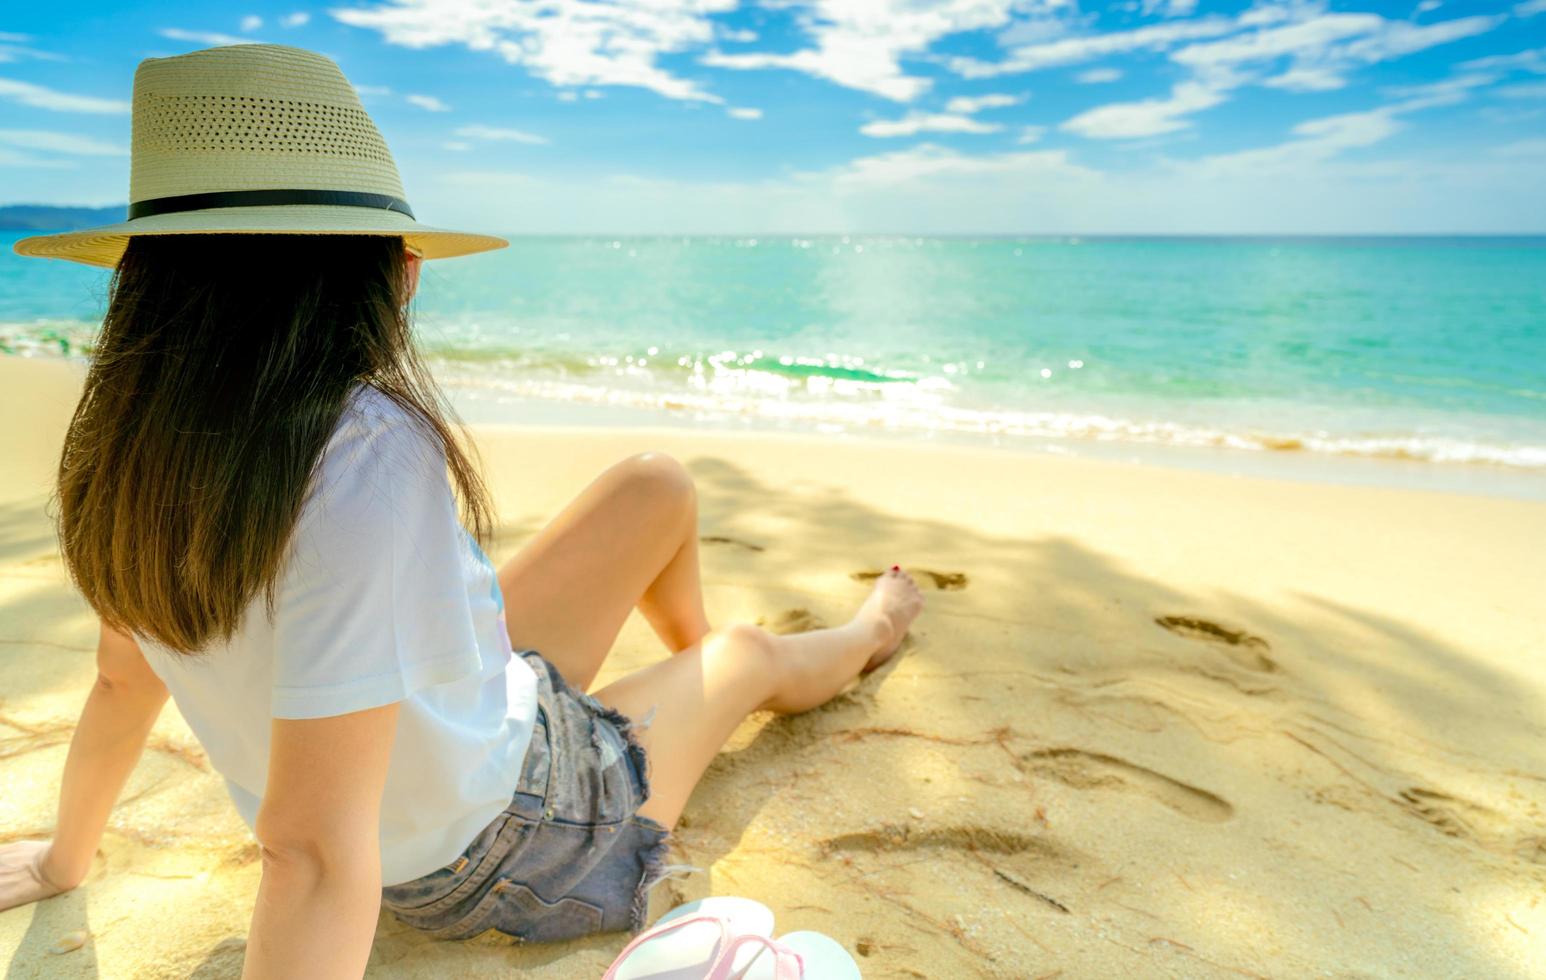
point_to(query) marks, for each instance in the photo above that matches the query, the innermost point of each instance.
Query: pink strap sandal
(622, 967)
(787, 964)
(730, 943)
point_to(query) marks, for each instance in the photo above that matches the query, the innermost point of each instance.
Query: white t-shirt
(384, 597)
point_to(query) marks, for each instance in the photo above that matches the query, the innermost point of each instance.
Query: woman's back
(383, 597)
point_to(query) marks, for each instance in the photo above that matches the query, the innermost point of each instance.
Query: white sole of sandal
(686, 953)
(824, 958)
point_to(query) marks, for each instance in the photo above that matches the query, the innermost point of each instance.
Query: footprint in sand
(1092, 770)
(792, 621)
(1248, 649)
(961, 837)
(1474, 823)
(733, 542)
(943, 581)
(1047, 857)
(1452, 816)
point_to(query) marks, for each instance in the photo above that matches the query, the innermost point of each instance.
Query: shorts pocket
(515, 910)
(442, 889)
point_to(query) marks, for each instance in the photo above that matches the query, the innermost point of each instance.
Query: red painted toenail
(896, 568)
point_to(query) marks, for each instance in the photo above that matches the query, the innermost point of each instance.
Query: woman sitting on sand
(253, 496)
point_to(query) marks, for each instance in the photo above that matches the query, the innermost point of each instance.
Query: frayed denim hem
(656, 870)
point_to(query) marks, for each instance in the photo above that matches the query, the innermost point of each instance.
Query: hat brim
(104, 246)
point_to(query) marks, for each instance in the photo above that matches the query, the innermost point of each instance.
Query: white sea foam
(834, 393)
(828, 404)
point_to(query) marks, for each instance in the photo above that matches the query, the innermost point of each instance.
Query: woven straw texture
(253, 117)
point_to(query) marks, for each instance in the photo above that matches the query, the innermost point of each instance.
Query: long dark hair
(223, 365)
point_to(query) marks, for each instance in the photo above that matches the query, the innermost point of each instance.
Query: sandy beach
(1153, 722)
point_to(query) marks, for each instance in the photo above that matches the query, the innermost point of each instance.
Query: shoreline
(1299, 466)
(482, 408)
(1152, 722)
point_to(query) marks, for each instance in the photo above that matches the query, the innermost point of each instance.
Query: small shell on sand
(69, 942)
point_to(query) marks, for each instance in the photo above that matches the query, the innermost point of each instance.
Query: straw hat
(254, 139)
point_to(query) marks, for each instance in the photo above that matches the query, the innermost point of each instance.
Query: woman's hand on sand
(21, 874)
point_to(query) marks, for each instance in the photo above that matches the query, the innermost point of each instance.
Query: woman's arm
(119, 712)
(318, 831)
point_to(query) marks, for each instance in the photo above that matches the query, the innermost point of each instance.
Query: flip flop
(685, 943)
(819, 957)
(780, 963)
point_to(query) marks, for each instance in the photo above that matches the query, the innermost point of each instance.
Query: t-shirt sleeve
(372, 604)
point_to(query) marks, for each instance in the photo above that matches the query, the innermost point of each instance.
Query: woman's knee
(657, 479)
(748, 653)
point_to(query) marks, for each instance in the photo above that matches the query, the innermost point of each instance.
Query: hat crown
(252, 117)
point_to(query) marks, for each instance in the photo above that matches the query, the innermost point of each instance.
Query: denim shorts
(570, 855)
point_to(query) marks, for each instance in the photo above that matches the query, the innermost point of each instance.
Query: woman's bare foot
(890, 609)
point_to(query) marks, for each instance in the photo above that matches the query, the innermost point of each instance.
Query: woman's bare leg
(699, 696)
(630, 539)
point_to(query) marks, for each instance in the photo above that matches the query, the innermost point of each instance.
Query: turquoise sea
(1421, 349)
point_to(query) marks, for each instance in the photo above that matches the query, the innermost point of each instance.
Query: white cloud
(860, 44)
(927, 122)
(456, 146)
(18, 51)
(1077, 50)
(1098, 76)
(1428, 6)
(213, 38)
(1030, 134)
(1302, 78)
(1521, 148)
(1320, 48)
(251, 22)
(501, 134)
(1323, 47)
(69, 143)
(15, 38)
(45, 98)
(1529, 90)
(1533, 60)
(937, 188)
(1314, 37)
(578, 43)
(1170, 8)
(744, 113)
(1510, 115)
(1148, 117)
(298, 19)
(1529, 8)
(1316, 141)
(428, 103)
(1398, 37)
(737, 36)
(1446, 91)
(11, 158)
(1319, 140)
(933, 190)
(928, 160)
(969, 104)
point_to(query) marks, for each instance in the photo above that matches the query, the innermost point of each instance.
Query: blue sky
(914, 116)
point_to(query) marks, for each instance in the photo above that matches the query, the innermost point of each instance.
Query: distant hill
(52, 217)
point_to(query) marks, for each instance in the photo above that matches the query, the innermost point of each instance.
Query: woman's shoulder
(372, 416)
(368, 407)
(377, 439)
